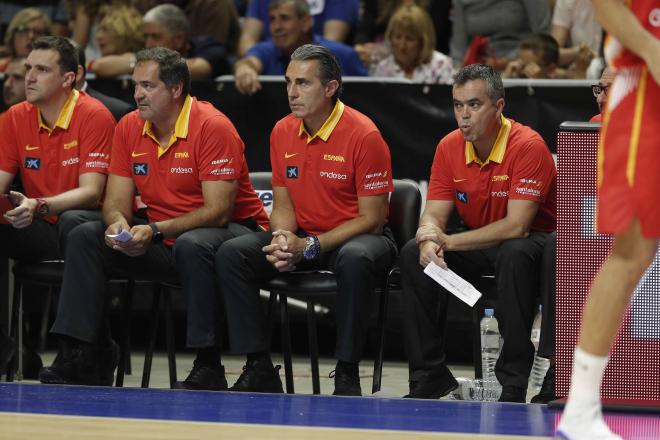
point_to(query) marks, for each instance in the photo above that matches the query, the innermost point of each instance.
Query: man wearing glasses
(600, 92)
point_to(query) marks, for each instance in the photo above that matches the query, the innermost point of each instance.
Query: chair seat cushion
(297, 284)
(45, 272)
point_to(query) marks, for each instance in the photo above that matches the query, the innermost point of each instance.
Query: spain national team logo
(292, 172)
(140, 169)
(32, 163)
(461, 196)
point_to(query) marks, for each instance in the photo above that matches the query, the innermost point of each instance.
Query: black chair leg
(148, 356)
(125, 353)
(45, 315)
(380, 343)
(313, 347)
(169, 323)
(477, 313)
(15, 328)
(286, 344)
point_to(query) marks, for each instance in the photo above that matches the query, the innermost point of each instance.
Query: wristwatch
(157, 236)
(312, 247)
(42, 207)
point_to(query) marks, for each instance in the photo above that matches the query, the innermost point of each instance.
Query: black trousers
(548, 297)
(38, 242)
(89, 263)
(358, 264)
(516, 265)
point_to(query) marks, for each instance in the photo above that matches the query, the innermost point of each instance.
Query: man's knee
(191, 244)
(354, 256)
(410, 254)
(86, 232)
(518, 251)
(68, 220)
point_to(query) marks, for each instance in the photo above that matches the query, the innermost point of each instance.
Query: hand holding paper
(122, 237)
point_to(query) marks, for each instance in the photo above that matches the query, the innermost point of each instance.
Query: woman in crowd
(26, 26)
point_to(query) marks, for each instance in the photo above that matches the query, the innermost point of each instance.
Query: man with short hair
(628, 205)
(186, 160)
(290, 27)
(500, 177)
(166, 26)
(331, 179)
(600, 91)
(13, 88)
(59, 142)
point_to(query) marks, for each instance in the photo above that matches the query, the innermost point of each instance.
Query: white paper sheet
(453, 283)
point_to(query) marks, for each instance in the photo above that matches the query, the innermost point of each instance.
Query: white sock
(582, 417)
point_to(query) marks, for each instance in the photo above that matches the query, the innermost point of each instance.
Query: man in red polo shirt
(628, 205)
(59, 142)
(331, 179)
(500, 177)
(186, 160)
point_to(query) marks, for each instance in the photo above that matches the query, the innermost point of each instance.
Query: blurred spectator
(576, 30)
(538, 56)
(55, 10)
(412, 39)
(167, 26)
(117, 107)
(291, 27)
(26, 26)
(505, 23)
(85, 18)
(120, 31)
(13, 88)
(600, 91)
(333, 19)
(207, 18)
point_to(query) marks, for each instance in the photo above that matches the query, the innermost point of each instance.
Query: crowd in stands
(424, 41)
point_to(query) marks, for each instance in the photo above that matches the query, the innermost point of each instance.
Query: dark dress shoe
(347, 383)
(77, 364)
(438, 384)
(513, 394)
(547, 393)
(259, 378)
(204, 377)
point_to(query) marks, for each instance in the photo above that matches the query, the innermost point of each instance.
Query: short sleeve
(533, 173)
(441, 186)
(9, 157)
(373, 166)
(96, 142)
(120, 163)
(221, 151)
(275, 165)
(345, 10)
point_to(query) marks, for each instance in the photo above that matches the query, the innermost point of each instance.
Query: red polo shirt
(519, 167)
(326, 173)
(205, 146)
(50, 162)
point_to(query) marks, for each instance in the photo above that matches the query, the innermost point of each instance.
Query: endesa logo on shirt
(334, 176)
(32, 163)
(140, 169)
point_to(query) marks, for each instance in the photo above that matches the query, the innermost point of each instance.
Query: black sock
(208, 356)
(349, 367)
(262, 358)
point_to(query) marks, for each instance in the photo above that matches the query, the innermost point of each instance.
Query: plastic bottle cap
(489, 312)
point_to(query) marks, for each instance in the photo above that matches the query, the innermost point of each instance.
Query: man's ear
(69, 80)
(499, 104)
(177, 90)
(331, 88)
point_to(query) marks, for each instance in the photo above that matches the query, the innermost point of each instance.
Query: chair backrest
(405, 206)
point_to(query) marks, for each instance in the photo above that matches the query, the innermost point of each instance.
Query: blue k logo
(140, 169)
(291, 172)
(32, 163)
(461, 196)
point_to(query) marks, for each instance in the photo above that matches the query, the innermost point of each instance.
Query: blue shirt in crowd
(274, 61)
(321, 10)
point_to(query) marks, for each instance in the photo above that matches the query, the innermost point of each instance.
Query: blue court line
(278, 409)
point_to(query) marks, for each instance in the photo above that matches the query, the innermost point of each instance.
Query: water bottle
(476, 390)
(541, 365)
(489, 387)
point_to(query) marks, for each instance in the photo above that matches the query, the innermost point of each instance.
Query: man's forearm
(344, 232)
(283, 220)
(487, 236)
(78, 198)
(209, 217)
(621, 23)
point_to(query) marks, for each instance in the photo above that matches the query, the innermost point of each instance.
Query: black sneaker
(547, 393)
(259, 378)
(77, 365)
(7, 349)
(109, 362)
(347, 383)
(513, 394)
(204, 377)
(437, 384)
